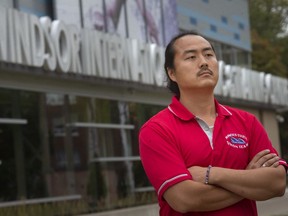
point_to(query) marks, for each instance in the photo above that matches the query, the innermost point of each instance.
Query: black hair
(169, 60)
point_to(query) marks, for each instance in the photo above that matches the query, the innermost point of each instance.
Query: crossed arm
(228, 186)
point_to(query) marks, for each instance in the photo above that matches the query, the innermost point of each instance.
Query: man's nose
(203, 62)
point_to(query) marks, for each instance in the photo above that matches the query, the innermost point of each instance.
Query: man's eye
(209, 55)
(191, 57)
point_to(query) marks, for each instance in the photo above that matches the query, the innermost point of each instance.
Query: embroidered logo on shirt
(237, 141)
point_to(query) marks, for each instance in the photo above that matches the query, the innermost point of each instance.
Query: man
(204, 158)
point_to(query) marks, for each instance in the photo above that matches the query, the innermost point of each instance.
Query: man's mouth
(205, 72)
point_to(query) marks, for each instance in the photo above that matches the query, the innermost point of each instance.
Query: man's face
(195, 64)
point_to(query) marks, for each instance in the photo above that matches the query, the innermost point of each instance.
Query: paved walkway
(274, 207)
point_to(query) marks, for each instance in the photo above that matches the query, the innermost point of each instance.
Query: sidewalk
(274, 207)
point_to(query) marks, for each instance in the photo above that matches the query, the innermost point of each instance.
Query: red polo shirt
(172, 140)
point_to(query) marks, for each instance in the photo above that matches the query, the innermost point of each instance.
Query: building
(78, 78)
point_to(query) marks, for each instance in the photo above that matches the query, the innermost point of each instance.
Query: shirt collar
(183, 113)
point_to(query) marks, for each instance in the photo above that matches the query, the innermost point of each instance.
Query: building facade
(78, 78)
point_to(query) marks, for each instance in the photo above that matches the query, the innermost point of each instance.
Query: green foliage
(270, 46)
(267, 57)
(268, 21)
(283, 43)
(268, 18)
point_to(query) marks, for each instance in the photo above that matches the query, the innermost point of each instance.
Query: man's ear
(171, 74)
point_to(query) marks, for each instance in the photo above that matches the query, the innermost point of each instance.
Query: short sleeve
(161, 158)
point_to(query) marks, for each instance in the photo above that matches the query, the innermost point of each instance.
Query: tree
(269, 18)
(266, 56)
(283, 43)
(269, 34)
(268, 26)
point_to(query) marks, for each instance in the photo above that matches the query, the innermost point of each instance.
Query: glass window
(106, 140)
(227, 54)
(224, 19)
(193, 20)
(236, 36)
(37, 7)
(72, 146)
(231, 55)
(241, 26)
(20, 139)
(213, 28)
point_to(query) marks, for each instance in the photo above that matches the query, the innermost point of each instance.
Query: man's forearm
(214, 198)
(256, 184)
(190, 196)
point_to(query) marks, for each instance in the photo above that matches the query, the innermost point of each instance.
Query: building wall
(270, 123)
(227, 20)
(75, 133)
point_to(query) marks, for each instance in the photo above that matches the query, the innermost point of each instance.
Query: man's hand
(264, 159)
(198, 173)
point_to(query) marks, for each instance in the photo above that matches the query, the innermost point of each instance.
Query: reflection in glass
(73, 146)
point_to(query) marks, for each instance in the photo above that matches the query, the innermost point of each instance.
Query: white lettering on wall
(37, 42)
(53, 45)
(50, 54)
(132, 53)
(75, 65)
(62, 42)
(11, 35)
(3, 35)
(22, 38)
